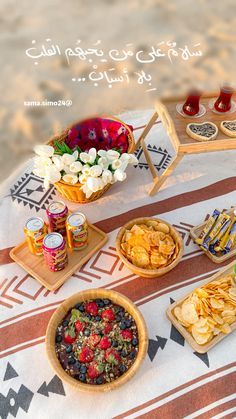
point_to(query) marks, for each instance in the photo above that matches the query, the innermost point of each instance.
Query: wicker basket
(60, 313)
(149, 273)
(73, 192)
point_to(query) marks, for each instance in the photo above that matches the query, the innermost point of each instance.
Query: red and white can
(57, 213)
(77, 231)
(54, 251)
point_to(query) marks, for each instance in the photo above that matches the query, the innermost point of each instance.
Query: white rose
(112, 155)
(75, 154)
(107, 176)
(76, 167)
(119, 175)
(102, 153)
(116, 164)
(103, 162)
(125, 157)
(53, 174)
(40, 165)
(86, 190)
(68, 159)
(89, 157)
(58, 162)
(44, 150)
(94, 183)
(83, 179)
(86, 169)
(71, 179)
(133, 160)
(95, 171)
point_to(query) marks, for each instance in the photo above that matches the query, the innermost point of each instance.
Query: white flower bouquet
(92, 171)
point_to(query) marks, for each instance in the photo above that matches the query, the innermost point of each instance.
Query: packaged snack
(210, 222)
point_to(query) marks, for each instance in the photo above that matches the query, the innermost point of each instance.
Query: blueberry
(68, 349)
(89, 316)
(121, 311)
(65, 323)
(122, 368)
(114, 343)
(134, 342)
(101, 304)
(82, 377)
(128, 323)
(83, 369)
(71, 360)
(80, 307)
(107, 302)
(58, 338)
(98, 318)
(123, 354)
(132, 354)
(118, 318)
(99, 380)
(86, 332)
(123, 325)
(77, 364)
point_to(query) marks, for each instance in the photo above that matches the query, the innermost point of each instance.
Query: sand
(115, 23)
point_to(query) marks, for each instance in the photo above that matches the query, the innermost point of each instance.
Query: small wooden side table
(175, 125)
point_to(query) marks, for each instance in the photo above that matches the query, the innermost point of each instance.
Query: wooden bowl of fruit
(149, 247)
(96, 340)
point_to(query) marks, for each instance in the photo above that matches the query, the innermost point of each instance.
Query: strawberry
(92, 308)
(107, 329)
(70, 335)
(105, 343)
(108, 315)
(112, 356)
(126, 335)
(86, 354)
(95, 369)
(79, 326)
(93, 340)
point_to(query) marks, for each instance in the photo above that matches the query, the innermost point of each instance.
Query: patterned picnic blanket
(173, 381)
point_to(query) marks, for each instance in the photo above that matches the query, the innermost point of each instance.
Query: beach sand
(115, 23)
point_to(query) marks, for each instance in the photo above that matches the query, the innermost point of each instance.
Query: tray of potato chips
(208, 314)
(149, 247)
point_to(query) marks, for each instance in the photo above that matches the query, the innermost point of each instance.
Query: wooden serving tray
(36, 266)
(218, 258)
(184, 332)
(176, 124)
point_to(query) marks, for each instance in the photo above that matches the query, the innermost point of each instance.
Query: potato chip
(225, 328)
(219, 304)
(150, 245)
(201, 338)
(189, 313)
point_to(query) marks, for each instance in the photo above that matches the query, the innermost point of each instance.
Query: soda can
(57, 213)
(77, 231)
(54, 251)
(35, 230)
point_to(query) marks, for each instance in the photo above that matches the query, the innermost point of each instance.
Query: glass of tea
(191, 106)
(223, 103)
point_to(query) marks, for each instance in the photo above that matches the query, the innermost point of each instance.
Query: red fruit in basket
(86, 354)
(112, 356)
(92, 308)
(108, 315)
(69, 336)
(105, 343)
(79, 326)
(126, 335)
(107, 328)
(95, 369)
(93, 340)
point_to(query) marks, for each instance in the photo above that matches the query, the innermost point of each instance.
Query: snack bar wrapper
(224, 232)
(206, 230)
(221, 221)
(231, 239)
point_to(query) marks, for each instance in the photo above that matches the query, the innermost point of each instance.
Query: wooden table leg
(146, 129)
(158, 182)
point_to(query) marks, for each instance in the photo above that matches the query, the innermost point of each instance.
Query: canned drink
(35, 230)
(77, 231)
(54, 251)
(57, 213)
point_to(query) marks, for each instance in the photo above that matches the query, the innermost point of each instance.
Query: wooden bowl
(149, 273)
(60, 313)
